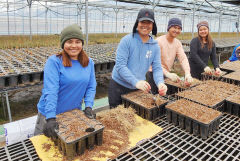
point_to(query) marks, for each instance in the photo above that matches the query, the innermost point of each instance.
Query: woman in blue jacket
(69, 79)
(135, 54)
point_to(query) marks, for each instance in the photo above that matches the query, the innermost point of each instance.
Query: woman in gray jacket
(201, 48)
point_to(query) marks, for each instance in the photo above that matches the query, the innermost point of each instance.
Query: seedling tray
(78, 139)
(232, 78)
(146, 113)
(218, 106)
(232, 108)
(193, 126)
(205, 76)
(176, 87)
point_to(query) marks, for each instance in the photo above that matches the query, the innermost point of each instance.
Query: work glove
(143, 85)
(49, 129)
(188, 79)
(218, 71)
(162, 89)
(89, 113)
(207, 70)
(174, 77)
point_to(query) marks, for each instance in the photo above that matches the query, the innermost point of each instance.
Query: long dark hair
(66, 60)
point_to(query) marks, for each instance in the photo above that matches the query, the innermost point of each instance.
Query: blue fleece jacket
(65, 88)
(133, 60)
(233, 57)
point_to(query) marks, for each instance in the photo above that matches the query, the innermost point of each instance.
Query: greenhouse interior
(120, 80)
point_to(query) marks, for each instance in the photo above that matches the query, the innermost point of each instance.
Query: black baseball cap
(146, 14)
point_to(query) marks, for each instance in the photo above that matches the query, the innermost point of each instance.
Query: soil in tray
(195, 111)
(210, 92)
(214, 74)
(233, 75)
(72, 125)
(235, 98)
(181, 83)
(117, 122)
(145, 99)
(235, 66)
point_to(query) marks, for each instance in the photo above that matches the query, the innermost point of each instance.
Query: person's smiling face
(203, 31)
(73, 48)
(144, 27)
(174, 31)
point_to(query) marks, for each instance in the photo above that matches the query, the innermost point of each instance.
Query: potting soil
(123, 130)
(210, 92)
(193, 110)
(181, 83)
(147, 100)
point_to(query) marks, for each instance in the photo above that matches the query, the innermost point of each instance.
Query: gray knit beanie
(174, 22)
(71, 32)
(202, 23)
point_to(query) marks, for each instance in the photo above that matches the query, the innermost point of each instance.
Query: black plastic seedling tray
(12, 80)
(218, 106)
(80, 144)
(232, 108)
(193, 126)
(2, 81)
(172, 89)
(144, 112)
(230, 80)
(205, 76)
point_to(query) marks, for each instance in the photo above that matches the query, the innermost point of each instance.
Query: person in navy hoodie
(136, 52)
(69, 79)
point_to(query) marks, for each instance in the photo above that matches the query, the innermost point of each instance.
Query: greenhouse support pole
(46, 21)
(193, 21)
(8, 18)
(154, 4)
(194, 10)
(238, 24)
(14, 15)
(86, 21)
(219, 24)
(102, 21)
(3, 105)
(30, 18)
(166, 21)
(183, 25)
(116, 12)
(8, 107)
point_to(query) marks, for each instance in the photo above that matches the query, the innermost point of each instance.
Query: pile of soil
(181, 84)
(118, 123)
(235, 98)
(73, 125)
(233, 75)
(210, 92)
(235, 66)
(195, 111)
(145, 99)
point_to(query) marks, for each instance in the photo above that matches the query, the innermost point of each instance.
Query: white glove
(188, 79)
(174, 77)
(218, 71)
(207, 70)
(143, 85)
(162, 89)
